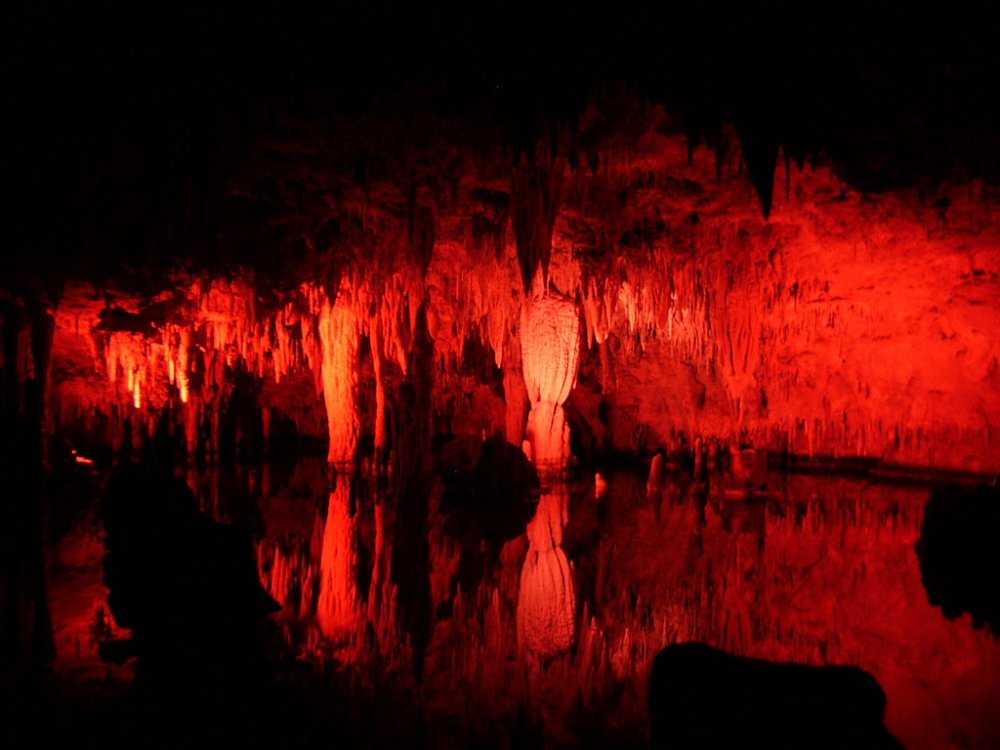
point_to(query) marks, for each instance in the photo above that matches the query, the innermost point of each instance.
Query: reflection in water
(550, 635)
(959, 557)
(546, 602)
(701, 697)
(338, 611)
(820, 571)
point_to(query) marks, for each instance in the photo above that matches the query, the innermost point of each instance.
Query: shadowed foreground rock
(700, 697)
(186, 587)
(959, 557)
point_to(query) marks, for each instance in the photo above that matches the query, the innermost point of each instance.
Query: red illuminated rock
(338, 610)
(339, 337)
(546, 602)
(550, 352)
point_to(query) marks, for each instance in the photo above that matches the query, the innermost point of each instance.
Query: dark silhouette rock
(700, 697)
(491, 483)
(185, 586)
(458, 458)
(959, 554)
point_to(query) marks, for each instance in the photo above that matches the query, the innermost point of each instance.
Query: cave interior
(512, 349)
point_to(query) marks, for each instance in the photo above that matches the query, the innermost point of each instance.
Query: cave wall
(845, 324)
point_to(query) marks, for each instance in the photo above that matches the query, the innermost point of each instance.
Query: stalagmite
(339, 337)
(338, 609)
(550, 349)
(546, 602)
(25, 351)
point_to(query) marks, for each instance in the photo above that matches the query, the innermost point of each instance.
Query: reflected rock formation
(492, 484)
(546, 603)
(185, 586)
(959, 553)
(338, 609)
(700, 697)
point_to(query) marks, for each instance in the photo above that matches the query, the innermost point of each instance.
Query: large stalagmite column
(339, 338)
(338, 610)
(546, 602)
(550, 351)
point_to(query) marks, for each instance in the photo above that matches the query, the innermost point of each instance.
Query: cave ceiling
(211, 139)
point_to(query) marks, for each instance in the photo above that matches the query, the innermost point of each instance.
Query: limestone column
(339, 337)
(338, 609)
(550, 352)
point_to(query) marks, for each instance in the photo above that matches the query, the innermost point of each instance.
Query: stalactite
(412, 480)
(796, 320)
(536, 193)
(515, 393)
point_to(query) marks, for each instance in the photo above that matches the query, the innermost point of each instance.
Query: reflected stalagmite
(338, 610)
(546, 602)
